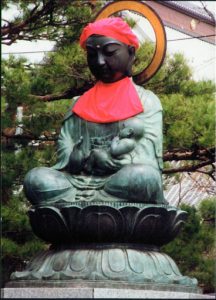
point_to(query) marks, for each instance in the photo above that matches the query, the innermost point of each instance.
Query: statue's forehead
(100, 40)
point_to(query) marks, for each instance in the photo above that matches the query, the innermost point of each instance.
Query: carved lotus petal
(49, 224)
(120, 264)
(113, 222)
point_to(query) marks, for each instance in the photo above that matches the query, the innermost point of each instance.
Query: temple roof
(188, 188)
(191, 10)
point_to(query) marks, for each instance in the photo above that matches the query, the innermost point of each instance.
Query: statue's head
(110, 46)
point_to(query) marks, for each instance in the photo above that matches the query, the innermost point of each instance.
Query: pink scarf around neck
(109, 102)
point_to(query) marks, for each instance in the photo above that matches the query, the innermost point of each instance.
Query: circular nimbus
(157, 25)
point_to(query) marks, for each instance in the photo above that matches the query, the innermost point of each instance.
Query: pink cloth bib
(109, 102)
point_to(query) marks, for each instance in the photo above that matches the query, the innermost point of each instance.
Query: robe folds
(137, 177)
(147, 152)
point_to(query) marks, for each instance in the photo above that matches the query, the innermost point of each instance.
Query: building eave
(190, 10)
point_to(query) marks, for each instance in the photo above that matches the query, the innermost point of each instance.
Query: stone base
(87, 292)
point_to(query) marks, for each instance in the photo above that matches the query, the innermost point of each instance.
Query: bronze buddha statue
(88, 168)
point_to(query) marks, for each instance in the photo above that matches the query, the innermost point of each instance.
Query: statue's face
(109, 60)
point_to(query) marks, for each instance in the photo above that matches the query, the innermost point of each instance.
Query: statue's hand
(115, 140)
(106, 164)
(77, 158)
(120, 147)
(78, 144)
(100, 162)
(122, 160)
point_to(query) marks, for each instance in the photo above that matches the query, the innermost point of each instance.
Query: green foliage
(193, 249)
(131, 22)
(18, 243)
(177, 73)
(189, 121)
(207, 209)
(62, 70)
(16, 165)
(172, 76)
(191, 88)
(144, 55)
(15, 82)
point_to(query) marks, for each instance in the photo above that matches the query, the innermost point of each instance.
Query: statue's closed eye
(109, 53)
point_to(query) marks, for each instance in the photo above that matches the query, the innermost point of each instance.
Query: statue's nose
(101, 60)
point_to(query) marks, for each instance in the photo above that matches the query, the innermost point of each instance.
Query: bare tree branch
(38, 18)
(210, 173)
(70, 93)
(198, 154)
(12, 30)
(190, 168)
(10, 134)
(6, 21)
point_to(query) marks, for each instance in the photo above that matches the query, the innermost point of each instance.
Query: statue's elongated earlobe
(131, 51)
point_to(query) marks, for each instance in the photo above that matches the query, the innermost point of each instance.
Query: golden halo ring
(158, 27)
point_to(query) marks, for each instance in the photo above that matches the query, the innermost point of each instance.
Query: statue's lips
(103, 71)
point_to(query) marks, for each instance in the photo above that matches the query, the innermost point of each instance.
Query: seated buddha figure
(110, 144)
